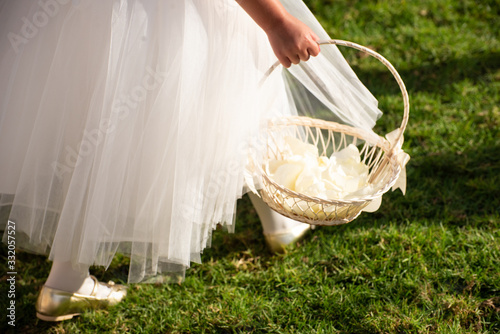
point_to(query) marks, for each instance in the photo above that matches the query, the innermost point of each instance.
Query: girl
(126, 125)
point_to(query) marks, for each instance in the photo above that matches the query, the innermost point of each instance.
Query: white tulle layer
(125, 124)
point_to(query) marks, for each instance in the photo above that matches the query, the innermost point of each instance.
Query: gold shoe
(58, 305)
(278, 242)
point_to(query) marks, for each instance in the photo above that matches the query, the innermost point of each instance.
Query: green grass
(427, 262)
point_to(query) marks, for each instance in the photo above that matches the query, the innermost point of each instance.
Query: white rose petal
(298, 147)
(350, 152)
(306, 179)
(286, 174)
(273, 165)
(342, 176)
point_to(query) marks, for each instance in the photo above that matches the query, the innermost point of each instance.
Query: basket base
(312, 218)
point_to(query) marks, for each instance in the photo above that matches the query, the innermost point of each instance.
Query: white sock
(272, 222)
(64, 277)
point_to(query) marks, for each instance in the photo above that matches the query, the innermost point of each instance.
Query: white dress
(125, 124)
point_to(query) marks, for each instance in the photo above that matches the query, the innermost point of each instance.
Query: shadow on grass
(32, 270)
(451, 188)
(248, 237)
(431, 77)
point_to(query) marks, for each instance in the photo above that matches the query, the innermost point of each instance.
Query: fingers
(306, 50)
(288, 59)
(285, 61)
(302, 54)
(314, 49)
(295, 59)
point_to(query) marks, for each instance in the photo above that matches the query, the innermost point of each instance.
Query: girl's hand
(291, 40)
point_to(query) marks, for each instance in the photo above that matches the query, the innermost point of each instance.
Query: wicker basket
(383, 157)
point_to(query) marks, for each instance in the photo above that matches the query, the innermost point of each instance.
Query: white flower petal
(298, 147)
(286, 174)
(342, 176)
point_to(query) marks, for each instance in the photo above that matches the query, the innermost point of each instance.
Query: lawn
(427, 262)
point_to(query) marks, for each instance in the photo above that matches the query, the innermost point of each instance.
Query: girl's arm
(291, 40)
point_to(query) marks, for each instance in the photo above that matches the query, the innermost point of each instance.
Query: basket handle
(406, 100)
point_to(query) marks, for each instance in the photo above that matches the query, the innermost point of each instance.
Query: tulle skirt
(126, 125)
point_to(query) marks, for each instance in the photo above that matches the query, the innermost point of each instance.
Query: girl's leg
(279, 230)
(64, 277)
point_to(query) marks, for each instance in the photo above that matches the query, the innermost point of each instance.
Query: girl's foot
(57, 305)
(69, 292)
(279, 230)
